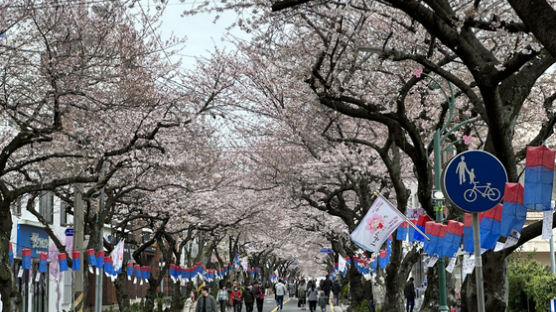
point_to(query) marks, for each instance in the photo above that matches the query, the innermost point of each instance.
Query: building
(44, 291)
(52, 291)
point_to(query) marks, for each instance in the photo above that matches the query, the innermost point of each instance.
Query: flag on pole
(244, 264)
(11, 254)
(380, 221)
(514, 212)
(118, 255)
(341, 263)
(539, 176)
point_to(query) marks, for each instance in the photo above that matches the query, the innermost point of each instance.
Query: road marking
(78, 303)
(276, 309)
(331, 305)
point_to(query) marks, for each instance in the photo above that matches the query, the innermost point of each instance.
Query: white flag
(341, 263)
(118, 255)
(381, 221)
(245, 263)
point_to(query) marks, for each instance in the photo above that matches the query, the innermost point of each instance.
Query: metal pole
(443, 304)
(478, 264)
(26, 273)
(552, 264)
(551, 243)
(77, 285)
(98, 292)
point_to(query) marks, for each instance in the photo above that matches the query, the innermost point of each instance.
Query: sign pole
(443, 300)
(26, 275)
(100, 221)
(478, 264)
(475, 181)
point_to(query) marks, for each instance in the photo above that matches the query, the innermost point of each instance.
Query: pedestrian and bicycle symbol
(474, 181)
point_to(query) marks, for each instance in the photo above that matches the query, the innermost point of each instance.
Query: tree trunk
(394, 282)
(122, 292)
(150, 298)
(432, 293)
(359, 290)
(177, 302)
(6, 274)
(494, 276)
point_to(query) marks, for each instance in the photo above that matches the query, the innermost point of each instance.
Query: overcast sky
(202, 34)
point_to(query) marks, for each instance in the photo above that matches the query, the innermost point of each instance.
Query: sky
(201, 33)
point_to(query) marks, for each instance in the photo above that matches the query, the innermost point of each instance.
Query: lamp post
(439, 137)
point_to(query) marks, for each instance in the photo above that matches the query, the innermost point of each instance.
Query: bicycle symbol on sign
(487, 191)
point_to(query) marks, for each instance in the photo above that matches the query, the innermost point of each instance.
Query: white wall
(29, 219)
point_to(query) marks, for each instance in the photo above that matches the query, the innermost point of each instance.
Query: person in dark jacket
(258, 291)
(327, 286)
(336, 291)
(409, 293)
(206, 303)
(248, 298)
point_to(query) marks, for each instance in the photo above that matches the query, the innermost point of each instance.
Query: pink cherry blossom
(467, 139)
(417, 72)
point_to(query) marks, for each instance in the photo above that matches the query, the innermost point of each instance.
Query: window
(64, 213)
(46, 204)
(16, 207)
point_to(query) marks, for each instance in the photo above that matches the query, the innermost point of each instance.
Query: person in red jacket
(237, 298)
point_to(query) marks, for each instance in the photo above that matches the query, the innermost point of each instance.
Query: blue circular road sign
(474, 181)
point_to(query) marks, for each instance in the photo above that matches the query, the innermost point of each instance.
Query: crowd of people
(234, 297)
(308, 293)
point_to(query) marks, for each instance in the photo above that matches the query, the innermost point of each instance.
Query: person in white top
(191, 302)
(280, 293)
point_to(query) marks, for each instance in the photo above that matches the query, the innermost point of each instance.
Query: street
(290, 305)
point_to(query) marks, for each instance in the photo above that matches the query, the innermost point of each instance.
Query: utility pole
(78, 232)
(98, 284)
(440, 136)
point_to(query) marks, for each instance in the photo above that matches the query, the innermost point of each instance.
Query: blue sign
(474, 181)
(326, 250)
(32, 237)
(69, 232)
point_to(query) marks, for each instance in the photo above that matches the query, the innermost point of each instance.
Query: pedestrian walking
(301, 294)
(222, 297)
(259, 296)
(292, 289)
(323, 300)
(280, 293)
(409, 293)
(312, 296)
(327, 286)
(336, 291)
(206, 302)
(190, 303)
(248, 298)
(237, 298)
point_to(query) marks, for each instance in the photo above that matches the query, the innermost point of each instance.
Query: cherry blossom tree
(90, 96)
(357, 58)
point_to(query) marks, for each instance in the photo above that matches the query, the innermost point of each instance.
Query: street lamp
(440, 136)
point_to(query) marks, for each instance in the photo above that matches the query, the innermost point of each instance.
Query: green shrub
(345, 291)
(362, 307)
(531, 285)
